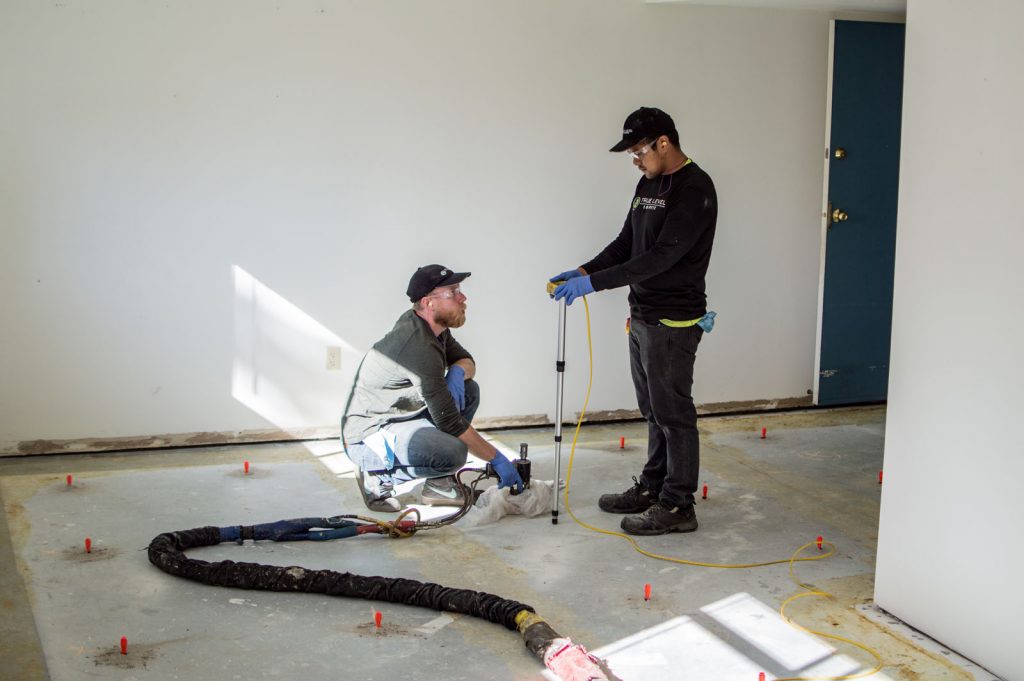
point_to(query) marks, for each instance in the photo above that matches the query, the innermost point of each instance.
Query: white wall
(197, 197)
(950, 544)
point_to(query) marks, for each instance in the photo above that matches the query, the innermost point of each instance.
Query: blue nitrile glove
(508, 476)
(574, 288)
(707, 322)
(567, 275)
(456, 380)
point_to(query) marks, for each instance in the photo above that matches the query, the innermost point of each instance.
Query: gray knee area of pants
(434, 453)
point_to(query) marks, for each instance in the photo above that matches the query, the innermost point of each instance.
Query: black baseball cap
(429, 277)
(644, 123)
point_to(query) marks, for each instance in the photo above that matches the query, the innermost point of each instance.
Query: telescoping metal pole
(560, 375)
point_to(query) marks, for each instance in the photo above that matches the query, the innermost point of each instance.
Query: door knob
(839, 215)
(840, 152)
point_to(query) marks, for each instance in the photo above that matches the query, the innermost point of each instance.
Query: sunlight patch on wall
(282, 354)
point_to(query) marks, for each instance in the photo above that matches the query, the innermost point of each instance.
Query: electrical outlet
(333, 358)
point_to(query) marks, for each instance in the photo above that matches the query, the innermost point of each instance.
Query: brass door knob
(840, 152)
(839, 215)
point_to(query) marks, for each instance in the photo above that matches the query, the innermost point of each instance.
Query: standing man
(662, 254)
(413, 399)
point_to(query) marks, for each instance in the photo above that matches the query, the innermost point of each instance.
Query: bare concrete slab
(812, 475)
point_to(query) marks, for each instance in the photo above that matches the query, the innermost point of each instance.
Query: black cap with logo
(429, 277)
(644, 123)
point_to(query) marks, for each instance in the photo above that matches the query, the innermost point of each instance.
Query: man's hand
(456, 380)
(566, 276)
(508, 476)
(574, 288)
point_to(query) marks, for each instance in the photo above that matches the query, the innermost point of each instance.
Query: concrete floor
(816, 473)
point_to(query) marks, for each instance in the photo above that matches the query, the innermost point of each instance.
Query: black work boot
(661, 519)
(634, 500)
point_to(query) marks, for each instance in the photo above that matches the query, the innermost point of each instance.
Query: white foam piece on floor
(764, 628)
(677, 649)
(682, 648)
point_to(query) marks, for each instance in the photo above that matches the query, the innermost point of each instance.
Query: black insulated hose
(167, 552)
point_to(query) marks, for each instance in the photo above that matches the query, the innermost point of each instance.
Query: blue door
(860, 233)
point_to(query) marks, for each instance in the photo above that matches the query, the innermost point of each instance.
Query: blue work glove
(574, 288)
(456, 380)
(707, 322)
(566, 276)
(508, 476)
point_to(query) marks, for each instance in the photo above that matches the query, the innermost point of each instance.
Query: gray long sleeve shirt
(402, 378)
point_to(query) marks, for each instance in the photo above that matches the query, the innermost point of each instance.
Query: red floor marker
(879, 477)
(88, 545)
(247, 468)
(819, 542)
(622, 442)
(124, 645)
(764, 433)
(760, 677)
(377, 617)
(704, 494)
(69, 481)
(647, 592)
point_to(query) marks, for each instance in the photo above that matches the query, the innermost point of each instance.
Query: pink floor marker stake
(124, 645)
(622, 442)
(764, 433)
(377, 617)
(704, 492)
(647, 592)
(819, 542)
(247, 468)
(88, 545)
(69, 481)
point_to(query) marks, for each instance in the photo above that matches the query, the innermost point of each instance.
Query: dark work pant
(661, 359)
(422, 450)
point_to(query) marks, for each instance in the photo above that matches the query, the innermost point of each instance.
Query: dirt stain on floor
(138, 657)
(836, 615)
(386, 630)
(78, 554)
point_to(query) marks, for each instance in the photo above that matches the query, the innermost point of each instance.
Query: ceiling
(888, 6)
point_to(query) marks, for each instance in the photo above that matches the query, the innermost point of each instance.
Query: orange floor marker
(764, 433)
(622, 442)
(124, 645)
(647, 592)
(247, 468)
(377, 617)
(819, 542)
(704, 492)
(88, 545)
(69, 481)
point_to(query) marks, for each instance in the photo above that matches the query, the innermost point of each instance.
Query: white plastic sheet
(496, 503)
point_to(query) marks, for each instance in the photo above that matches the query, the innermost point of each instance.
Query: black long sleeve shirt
(664, 247)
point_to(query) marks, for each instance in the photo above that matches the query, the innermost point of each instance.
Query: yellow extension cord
(809, 590)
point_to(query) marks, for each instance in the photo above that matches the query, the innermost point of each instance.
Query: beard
(451, 319)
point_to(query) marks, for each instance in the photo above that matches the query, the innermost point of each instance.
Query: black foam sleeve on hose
(538, 637)
(167, 552)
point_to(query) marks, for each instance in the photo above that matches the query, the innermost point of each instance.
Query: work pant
(421, 450)
(661, 360)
